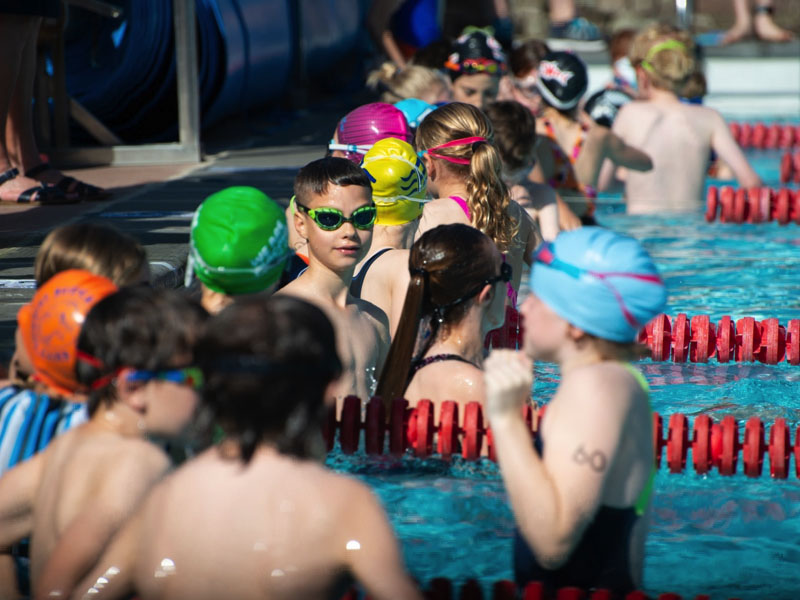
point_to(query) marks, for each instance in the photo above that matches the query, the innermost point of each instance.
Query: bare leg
(741, 28)
(20, 140)
(14, 31)
(765, 27)
(562, 11)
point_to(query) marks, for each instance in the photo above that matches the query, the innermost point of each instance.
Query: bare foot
(767, 30)
(738, 32)
(11, 189)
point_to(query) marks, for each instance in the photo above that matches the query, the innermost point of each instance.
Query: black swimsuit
(358, 281)
(420, 363)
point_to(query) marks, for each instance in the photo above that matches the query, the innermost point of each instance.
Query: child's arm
(18, 489)
(82, 543)
(728, 150)
(378, 23)
(553, 497)
(116, 565)
(541, 199)
(624, 155)
(371, 550)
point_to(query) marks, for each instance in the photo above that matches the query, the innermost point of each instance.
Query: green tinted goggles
(330, 219)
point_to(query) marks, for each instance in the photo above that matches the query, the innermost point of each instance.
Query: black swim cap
(474, 53)
(604, 105)
(562, 79)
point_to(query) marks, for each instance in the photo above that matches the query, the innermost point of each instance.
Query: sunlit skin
(109, 466)
(362, 328)
(479, 90)
(599, 410)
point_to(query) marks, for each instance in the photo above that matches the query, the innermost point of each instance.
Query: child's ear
(130, 392)
(486, 294)
(300, 225)
(430, 166)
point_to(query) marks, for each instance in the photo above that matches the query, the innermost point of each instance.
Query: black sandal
(41, 194)
(70, 186)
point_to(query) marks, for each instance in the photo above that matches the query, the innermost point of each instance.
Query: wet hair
(514, 133)
(449, 266)
(317, 175)
(434, 55)
(619, 45)
(526, 57)
(671, 67)
(140, 328)
(398, 84)
(695, 86)
(266, 364)
(487, 195)
(99, 249)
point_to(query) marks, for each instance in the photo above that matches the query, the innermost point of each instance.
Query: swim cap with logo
(239, 241)
(399, 181)
(474, 53)
(604, 105)
(562, 79)
(600, 281)
(362, 127)
(50, 324)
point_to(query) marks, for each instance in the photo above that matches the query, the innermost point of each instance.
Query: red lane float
(761, 136)
(698, 339)
(712, 444)
(442, 588)
(754, 205)
(790, 167)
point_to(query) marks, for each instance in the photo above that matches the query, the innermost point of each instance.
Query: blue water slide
(124, 71)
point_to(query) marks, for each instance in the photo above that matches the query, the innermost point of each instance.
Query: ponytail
(394, 378)
(488, 196)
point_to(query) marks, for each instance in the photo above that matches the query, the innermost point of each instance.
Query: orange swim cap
(51, 322)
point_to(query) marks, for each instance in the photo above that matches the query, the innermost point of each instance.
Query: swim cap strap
(459, 142)
(665, 45)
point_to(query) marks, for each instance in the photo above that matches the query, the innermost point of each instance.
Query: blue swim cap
(415, 110)
(600, 281)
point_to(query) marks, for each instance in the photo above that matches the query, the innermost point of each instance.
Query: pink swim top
(463, 204)
(511, 293)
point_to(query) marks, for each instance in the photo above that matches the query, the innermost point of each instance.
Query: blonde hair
(99, 249)
(669, 68)
(487, 195)
(397, 84)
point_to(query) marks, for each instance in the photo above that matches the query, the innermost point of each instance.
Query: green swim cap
(239, 241)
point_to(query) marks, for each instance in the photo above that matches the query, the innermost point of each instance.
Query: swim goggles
(330, 219)
(473, 141)
(545, 254)
(647, 64)
(189, 376)
(357, 148)
(505, 275)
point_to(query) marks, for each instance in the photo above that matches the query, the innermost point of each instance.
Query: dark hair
(266, 363)
(137, 327)
(620, 43)
(479, 47)
(527, 56)
(514, 132)
(99, 249)
(434, 55)
(447, 264)
(317, 175)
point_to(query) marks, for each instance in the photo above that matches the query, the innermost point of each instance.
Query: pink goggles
(459, 142)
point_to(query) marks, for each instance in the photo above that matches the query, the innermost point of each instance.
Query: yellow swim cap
(399, 181)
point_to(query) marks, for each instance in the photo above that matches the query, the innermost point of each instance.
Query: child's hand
(508, 375)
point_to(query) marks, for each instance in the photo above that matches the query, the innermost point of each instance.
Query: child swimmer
(580, 492)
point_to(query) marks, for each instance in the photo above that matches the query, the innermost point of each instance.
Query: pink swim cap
(367, 124)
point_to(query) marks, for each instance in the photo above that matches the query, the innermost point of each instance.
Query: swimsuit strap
(357, 283)
(429, 360)
(644, 496)
(463, 204)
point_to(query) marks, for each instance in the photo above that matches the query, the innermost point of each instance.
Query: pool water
(723, 536)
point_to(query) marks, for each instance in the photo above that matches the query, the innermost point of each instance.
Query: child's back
(679, 138)
(288, 536)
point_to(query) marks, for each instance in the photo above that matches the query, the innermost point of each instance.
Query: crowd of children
(398, 254)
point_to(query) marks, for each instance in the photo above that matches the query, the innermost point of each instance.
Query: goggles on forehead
(357, 148)
(545, 254)
(330, 219)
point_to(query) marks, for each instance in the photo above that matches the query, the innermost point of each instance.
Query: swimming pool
(722, 536)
